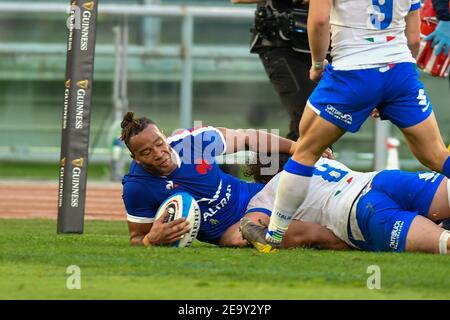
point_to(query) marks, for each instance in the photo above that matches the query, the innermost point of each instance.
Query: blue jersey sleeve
(199, 144)
(139, 203)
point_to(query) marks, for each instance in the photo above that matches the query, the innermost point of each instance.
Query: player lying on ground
(186, 162)
(390, 210)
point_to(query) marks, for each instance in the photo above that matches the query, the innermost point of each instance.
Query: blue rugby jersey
(222, 198)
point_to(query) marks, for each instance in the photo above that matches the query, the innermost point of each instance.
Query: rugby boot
(256, 235)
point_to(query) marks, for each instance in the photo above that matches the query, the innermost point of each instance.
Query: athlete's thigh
(412, 191)
(311, 234)
(384, 225)
(423, 236)
(440, 208)
(316, 134)
(425, 142)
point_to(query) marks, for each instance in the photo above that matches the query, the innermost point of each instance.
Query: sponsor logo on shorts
(346, 118)
(427, 176)
(395, 234)
(423, 101)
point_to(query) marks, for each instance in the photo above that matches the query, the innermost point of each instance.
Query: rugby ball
(181, 205)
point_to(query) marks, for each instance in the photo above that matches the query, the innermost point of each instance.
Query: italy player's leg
(401, 212)
(253, 226)
(406, 104)
(425, 142)
(424, 235)
(316, 135)
(341, 102)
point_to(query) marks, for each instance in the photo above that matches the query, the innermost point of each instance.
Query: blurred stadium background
(230, 87)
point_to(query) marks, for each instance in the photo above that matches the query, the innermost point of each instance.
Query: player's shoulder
(141, 187)
(138, 181)
(181, 134)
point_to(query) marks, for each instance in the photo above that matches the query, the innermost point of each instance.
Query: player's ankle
(274, 237)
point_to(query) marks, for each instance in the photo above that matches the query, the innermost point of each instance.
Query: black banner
(76, 115)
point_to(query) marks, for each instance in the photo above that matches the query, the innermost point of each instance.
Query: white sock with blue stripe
(292, 190)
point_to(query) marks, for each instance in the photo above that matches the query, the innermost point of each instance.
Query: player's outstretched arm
(319, 35)
(255, 140)
(412, 32)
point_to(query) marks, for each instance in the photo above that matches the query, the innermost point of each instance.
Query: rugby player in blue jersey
(186, 162)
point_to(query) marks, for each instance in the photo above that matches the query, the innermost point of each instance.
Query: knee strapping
(443, 242)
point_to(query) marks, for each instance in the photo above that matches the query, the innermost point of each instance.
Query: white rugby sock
(291, 192)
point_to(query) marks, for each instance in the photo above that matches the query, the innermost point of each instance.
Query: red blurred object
(427, 60)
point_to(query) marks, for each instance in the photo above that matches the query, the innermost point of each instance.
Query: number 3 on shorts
(381, 17)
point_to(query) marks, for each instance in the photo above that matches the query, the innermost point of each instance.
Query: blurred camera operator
(281, 41)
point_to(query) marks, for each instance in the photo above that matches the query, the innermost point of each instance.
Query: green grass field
(34, 261)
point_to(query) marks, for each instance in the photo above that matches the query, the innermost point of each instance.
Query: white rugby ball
(181, 205)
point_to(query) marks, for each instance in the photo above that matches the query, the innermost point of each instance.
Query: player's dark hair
(254, 170)
(132, 126)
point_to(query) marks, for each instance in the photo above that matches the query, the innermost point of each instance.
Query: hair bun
(127, 119)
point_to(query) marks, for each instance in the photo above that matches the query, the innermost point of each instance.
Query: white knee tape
(443, 242)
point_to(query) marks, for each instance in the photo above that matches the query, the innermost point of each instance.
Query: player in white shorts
(371, 211)
(374, 43)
